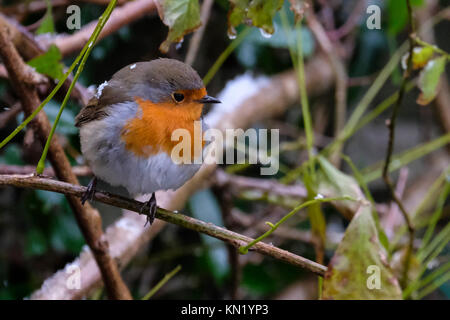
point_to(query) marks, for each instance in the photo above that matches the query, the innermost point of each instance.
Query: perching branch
(88, 218)
(235, 239)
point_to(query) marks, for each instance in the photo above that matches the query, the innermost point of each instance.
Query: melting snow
(100, 89)
(236, 91)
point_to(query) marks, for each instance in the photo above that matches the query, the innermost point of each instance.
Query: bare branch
(235, 239)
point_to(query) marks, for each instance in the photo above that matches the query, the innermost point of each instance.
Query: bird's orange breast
(151, 131)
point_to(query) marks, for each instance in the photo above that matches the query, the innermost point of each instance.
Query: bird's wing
(110, 93)
(94, 110)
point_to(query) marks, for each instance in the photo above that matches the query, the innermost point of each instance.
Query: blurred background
(38, 232)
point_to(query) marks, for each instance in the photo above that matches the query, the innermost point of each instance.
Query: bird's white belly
(105, 152)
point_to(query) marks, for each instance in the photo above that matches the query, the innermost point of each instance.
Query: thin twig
(233, 238)
(391, 127)
(268, 102)
(196, 39)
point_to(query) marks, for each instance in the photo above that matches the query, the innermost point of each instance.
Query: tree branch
(391, 127)
(233, 238)
(88, 218)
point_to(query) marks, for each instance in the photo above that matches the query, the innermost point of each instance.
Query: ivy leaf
(429, 79)
(181, 16)
(359, 269)
(47, 24)
(334, 183)
(259, 13)
(48, 63)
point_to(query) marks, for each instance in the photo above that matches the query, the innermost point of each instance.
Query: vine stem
(85, 54)
(391, 126)
(273, 227)
(162, 282)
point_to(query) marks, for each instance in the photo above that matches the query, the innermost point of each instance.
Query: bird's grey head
(157, 80)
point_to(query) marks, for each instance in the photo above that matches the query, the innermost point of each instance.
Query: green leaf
(429, 79)
(204, 207)
(334, 183)
(398, 14)
(258, 13)
(181, 16)
(250, 52)
(358, 263)
(48, 63)
(36, 242)
(47, 24)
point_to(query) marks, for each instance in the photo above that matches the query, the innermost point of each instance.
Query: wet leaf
(421, 56)
(429, 80)
(358, 269)
(48, 63)
(258, 13)
(181, 16)
(36, 242)
(334, 183)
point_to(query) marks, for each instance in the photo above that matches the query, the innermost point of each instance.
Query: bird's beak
(208, 99)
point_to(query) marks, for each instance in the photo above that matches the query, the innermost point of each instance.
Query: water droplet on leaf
(265, 34)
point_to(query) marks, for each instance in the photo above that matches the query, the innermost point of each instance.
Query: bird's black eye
(178, 97)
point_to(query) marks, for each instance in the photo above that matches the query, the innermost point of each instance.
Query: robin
(126, 128)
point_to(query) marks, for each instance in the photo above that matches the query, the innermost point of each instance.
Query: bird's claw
(149, 209)
(90, 191)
